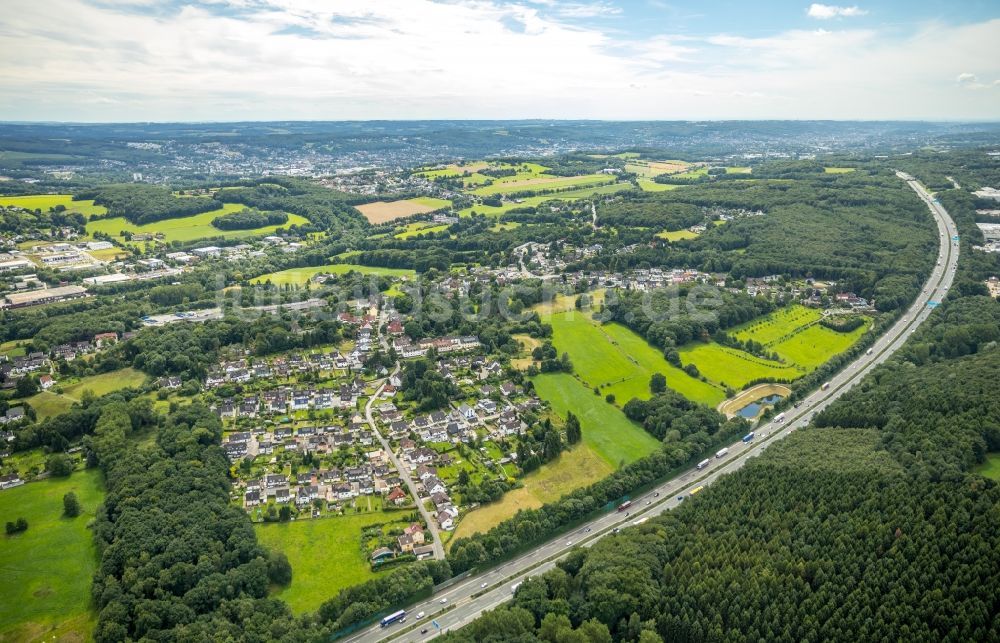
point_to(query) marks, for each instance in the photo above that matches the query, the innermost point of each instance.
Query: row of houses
(286, 399)
(332, 486)
(241, 370)
(313, 439)
(406, 347)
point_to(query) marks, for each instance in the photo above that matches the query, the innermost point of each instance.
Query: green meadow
(677, 235)
(618, 361)
(796, 336)
(535, 201)
(299, 276)
(418, 228)
(197, 226)
(47, 570)
(542, 183)
(45, 201)
(325, 555)
(990, 468)
(606, 430)
(649, 185)
(726, 366)
(54, 402)
(774, 326)
(574, 468)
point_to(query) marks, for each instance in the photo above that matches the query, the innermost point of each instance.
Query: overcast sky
(158, 60)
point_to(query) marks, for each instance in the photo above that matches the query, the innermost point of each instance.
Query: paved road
(404, 473)
(461, 603)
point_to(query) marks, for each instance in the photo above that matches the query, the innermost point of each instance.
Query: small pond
(752, 410)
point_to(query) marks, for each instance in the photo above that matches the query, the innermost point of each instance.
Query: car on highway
(656, 495)
(569, 543)
(443, 601)
(423, 630)
(421, 614)
(483, 585)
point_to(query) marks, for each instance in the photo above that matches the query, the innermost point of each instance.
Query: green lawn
(838, 170)
(45, 201)
(731, 367)
(606, 430)
(197, 226)
(420, 227)
(774, 326)
(796, 336)
(575, 468)
(650, 360)
(13, 348)
(47, 570)
(300, 276)
(816, 345)
(539, 183)
(619, 361)
(49, 403)
(535, 201)
(432, 202)
(325, 554)
(677, 235)
(990, 468)
(649, 185)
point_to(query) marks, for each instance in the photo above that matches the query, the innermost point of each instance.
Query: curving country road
(462, 602)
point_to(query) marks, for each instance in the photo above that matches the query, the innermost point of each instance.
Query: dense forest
(866, 230)
(139, 203)
(326, 209)
(248, 219)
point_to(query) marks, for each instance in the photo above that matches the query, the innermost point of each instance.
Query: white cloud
(967, 80)
(298, 59)
(827, 11)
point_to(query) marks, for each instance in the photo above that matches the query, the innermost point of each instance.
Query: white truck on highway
(721, 453)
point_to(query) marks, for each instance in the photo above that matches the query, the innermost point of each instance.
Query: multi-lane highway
(465, 600)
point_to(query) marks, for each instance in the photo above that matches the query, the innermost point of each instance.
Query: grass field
(990, 468)
(420, 227)
(300, 276)
(49, 403)
(730, 367)
(543, 183)
(649, 185)
(382, 211)
(649, 169)
(838, 170)
(578, 467)
(794, 334)
(677, 235)
(776, 325)
(47, 570)
(535, 201)
(45, 201)
(618, 361)
(606, 430)
(649, 360)
(197, 226)
(13, 348)
(325, 554)
(738, 170)
(817, 344)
